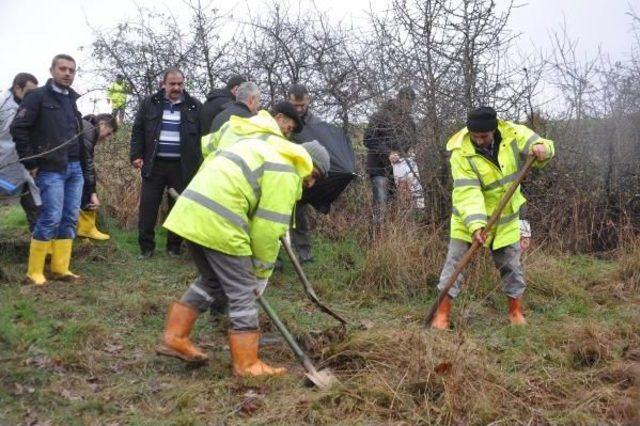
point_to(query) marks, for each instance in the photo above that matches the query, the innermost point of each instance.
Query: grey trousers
(301, 234)
(506, 259)
(224, 277)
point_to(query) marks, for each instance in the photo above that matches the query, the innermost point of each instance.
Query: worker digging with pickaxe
(486, 157)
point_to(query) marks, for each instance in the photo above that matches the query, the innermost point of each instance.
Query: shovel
(308, 289)
(323, 379)
(475, 246)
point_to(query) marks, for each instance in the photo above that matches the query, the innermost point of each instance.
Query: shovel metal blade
(323, 379)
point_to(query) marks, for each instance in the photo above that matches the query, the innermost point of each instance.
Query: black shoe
(145, 254)
(307, 258)
(278, 266)
(173, 253)
(219, 309)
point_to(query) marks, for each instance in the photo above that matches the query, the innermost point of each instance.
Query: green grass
(83, 353)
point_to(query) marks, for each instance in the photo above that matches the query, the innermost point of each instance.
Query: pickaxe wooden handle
(475, 246)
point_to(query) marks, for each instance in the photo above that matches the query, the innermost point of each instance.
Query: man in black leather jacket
(47, 131)
(165, 145)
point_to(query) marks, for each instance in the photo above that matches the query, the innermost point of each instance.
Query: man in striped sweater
(165, 145)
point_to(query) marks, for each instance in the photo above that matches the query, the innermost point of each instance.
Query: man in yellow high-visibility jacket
(117, 97)
(486, 156)
(232, 214)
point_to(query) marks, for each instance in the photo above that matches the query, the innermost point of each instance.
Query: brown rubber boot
(244, 354)
(515, 311)
(175, 341)
(441, 318)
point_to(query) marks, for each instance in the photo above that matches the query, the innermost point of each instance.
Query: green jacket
(240, 201)
(117, 95)
(237, 128)
(478, 184)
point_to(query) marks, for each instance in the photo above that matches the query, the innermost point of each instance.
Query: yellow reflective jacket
(241, 199)
(117, 94)
(479, 184)
(238, 128)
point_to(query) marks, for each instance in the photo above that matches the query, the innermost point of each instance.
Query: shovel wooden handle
(288, 337)
(174, 194)
(306, 285)
(475, 246)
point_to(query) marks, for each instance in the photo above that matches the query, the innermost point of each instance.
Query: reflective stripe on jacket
(259, 126)
(479, 184)
(241, 199)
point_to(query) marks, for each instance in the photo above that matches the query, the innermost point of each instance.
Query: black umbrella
(343, 164)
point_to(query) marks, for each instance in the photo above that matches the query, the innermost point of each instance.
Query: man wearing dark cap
(232, 214)
(391, 133)
(287, 118)
(278, 124)
(283, 115)
(217, 100)
(486, 157)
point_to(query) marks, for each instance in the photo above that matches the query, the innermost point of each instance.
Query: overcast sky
(33, 31)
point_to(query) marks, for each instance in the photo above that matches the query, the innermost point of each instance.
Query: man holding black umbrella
(342, 171)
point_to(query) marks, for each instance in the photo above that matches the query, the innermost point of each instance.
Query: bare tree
(209, 61)
(455, 54)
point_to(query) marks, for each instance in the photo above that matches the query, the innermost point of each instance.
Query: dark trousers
(301, 234)
(383, 192)
(31, 210)
(165, 174)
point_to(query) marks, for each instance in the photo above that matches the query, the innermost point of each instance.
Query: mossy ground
(84, 353)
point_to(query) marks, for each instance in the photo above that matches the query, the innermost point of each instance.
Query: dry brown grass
(118, 182)
(403, 258)
(628, 259)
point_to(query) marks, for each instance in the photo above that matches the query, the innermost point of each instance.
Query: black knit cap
(482, 119)
(287, 108)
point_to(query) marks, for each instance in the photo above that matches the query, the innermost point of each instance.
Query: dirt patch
(590, 346)
(623, 377)
(317, 342)
(14, 250)
(631, 354)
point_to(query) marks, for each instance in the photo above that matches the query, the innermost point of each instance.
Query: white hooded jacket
(13, 175)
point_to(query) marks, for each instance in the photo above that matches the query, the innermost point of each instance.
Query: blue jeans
(61, 194)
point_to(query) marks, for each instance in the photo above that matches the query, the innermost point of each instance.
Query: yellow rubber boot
(87, 226)
(244, 354)
(60, 260)
(175, 341)
(35, 269)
